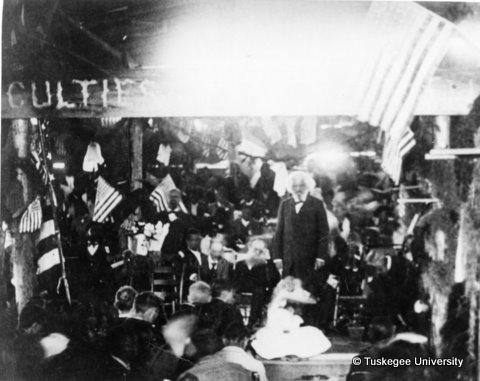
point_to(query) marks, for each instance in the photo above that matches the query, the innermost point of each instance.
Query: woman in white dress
(283, 334)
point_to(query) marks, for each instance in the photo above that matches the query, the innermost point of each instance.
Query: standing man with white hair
(301, 238)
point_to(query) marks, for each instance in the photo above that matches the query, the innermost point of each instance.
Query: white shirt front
(211, 262)
(299, 202)
(198, 255)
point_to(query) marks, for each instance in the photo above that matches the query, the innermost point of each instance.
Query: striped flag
(411, 43)
(31, 219)
(159, 196)
(207, 142)
(222, 149)
(395, 148)
(106, 200)
(48, 255)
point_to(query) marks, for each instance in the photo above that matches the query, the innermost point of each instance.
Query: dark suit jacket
(202, 208)
(264, 276)
(222, 272)
(217, 315)
(301, 238)
(175, 239)
(187, 266)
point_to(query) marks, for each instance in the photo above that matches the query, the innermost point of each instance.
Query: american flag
(207, 142)
(106, 200)
(31, 219)
(412, 42)
(159, 196)
(48, 255)
(222, 149)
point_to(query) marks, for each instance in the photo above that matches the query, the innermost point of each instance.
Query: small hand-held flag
(159, 196)
(32, 218)
(47, 247)
(222, 148)
(106, 200)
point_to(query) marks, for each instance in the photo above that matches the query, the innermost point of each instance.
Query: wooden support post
(23, 271)
(442, 134)
(136, 154)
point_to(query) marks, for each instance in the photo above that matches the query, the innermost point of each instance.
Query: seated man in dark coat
(221, 310)
(148, 316)
(258, 275)
(243, 228)
(123, 304)
(214, 267)
(123, 349)
(188, 263)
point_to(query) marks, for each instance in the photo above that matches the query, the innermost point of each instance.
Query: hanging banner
(245, 65)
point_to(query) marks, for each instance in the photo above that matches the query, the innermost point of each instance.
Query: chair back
(165, 285)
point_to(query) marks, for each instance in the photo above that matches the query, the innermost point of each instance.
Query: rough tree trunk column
(469, 249)
(439, 276)
(136, 152)
(23, 248)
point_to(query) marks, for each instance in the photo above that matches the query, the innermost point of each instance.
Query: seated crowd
(180, 293)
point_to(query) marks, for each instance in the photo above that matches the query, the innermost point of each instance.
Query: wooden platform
(332, 365)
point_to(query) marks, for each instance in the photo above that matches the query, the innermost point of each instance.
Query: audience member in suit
(123, 350)
(97, 275)
(146, 313)
(234, 340)
(221, 310)
(199, 294)
(256, 274)
(301, 239)
(188, 263)
(214, 267)
(212, 313)
(210, 365)
(243, 228)
(123, 304)
(180, 222)
(147, 318)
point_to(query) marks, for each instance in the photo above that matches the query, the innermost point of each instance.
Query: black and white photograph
(239, 190)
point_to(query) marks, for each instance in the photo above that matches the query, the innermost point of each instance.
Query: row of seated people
(252, 272)
(140, 343)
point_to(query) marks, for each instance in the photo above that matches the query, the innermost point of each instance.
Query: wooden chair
(165, 285)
